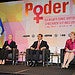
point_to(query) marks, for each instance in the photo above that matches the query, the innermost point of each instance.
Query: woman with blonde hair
(8, 46)
(69, 50)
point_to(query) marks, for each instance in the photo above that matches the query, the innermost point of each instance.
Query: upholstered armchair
(13, 57)
(62, 51)
(43, 58)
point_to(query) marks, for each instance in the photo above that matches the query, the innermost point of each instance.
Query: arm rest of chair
(62, 51)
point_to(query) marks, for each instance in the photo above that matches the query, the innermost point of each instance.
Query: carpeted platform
(24, 70)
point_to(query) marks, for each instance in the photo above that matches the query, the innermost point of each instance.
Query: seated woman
(2, 56)
(8, 46)
(69, 50)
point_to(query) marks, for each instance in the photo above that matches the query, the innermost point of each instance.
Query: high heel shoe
(0, 61)
(63, 66)
(66, 66)
(3, 62)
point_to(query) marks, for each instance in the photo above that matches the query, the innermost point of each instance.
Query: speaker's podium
(42, 56)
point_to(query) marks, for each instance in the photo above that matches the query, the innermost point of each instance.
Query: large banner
(55, 19)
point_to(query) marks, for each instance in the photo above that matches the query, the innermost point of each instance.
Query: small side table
(23, 55)
(55, 55)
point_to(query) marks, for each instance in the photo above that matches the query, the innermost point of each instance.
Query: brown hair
(41, 35)
(73, 33)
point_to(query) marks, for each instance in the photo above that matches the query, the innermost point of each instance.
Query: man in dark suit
(37, 48)
(43, 44)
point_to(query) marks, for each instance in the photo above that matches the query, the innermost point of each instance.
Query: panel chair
(13, 57)
(44, 57)
(62, 52)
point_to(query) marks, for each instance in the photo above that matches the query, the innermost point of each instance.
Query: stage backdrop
(55, 19)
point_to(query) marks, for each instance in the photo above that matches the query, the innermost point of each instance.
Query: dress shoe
(33, 65)
(36, 63)
(30, 64)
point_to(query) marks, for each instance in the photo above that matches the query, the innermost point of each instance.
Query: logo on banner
(56, 8)
(1, 28)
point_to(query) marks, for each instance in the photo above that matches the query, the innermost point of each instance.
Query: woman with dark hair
(69, 50)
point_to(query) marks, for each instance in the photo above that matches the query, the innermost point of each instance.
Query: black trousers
(2, 54)
(36, 55)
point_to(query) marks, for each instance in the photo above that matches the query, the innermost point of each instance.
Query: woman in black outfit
(8, 47)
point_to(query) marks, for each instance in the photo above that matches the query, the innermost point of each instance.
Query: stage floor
(39, 70)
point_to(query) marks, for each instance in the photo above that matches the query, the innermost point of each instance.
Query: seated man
(37, 48)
